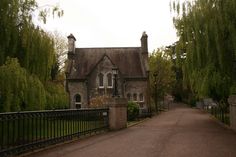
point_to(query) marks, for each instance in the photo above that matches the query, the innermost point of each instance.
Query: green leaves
(45, 12)
(160, 63)
(57, 98)
(132, 110)
(206, 31)
(19, 90)
(27, 55)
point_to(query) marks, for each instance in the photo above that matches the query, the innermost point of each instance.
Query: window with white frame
(141, 99)
(109, 80)
(77, 101)
(135, 97)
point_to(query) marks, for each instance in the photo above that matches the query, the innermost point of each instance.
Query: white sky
(114, 23)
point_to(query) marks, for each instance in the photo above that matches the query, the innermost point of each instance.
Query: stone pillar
(117, 113)
(232, 102)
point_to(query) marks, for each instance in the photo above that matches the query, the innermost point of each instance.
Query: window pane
(77, 98)
(109, 79)
(140, 97)
(100, 80)
(78, 106)
(129, 96)
(135, 97)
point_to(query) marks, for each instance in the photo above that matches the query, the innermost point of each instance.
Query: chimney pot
(71, 44)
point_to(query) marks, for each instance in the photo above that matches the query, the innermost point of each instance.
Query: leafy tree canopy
(207, 37)
(27, 57)
(160, 63)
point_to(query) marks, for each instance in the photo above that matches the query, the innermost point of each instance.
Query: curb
(218, 121)
(138, 122)
(60, 144)
(146, 119)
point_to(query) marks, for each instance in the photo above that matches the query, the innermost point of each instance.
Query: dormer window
(109, 80)
(100, 78)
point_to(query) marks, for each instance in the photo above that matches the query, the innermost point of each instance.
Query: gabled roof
(128, 60)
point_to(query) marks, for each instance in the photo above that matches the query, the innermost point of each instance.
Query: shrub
(132, 110)
(98, 101)
(56, 96)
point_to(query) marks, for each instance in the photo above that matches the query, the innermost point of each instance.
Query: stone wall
(137, 87)
(78, 88)
(104, 67)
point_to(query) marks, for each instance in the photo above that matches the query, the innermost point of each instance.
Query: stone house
(89, 73)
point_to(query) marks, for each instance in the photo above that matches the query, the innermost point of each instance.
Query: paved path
(181, 132)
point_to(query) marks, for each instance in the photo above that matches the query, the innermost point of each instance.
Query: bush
(132, 110)
(192, 102)
(19, 90)
(98, 102)
(56, 96)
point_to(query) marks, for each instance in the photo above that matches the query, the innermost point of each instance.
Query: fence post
(232, 112)
(117, 113)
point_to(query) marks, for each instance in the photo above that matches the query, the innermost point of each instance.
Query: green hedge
(132, 110)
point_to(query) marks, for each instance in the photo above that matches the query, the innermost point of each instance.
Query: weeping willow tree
(21, 39)
(27, 55)
(36, 51)
(207, 37)
(19, 90)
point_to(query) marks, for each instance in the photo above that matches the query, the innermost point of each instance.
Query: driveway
(180, 132)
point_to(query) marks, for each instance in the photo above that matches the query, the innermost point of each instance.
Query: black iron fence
(24, 131)
(220, 112)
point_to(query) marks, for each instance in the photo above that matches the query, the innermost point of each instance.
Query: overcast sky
(114, 23)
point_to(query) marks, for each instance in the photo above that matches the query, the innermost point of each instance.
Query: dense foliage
(207, 42)
(19, 90)
(56, 97)
(27, 55)
(132, 110)
(160, 63)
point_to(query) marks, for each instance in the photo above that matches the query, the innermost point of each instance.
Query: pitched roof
(128, 60)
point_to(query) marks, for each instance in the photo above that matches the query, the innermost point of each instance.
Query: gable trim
(99, 61)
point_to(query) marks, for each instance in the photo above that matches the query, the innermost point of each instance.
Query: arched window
(77, 101)
(129, 96)
(100, 77)
(141, 97)
(135, 97)
(109, 80)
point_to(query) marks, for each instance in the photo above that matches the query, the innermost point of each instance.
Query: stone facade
(81, 89)
(89, 73)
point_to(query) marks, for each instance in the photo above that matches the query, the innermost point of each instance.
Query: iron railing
(220, 112)
(24, 131)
